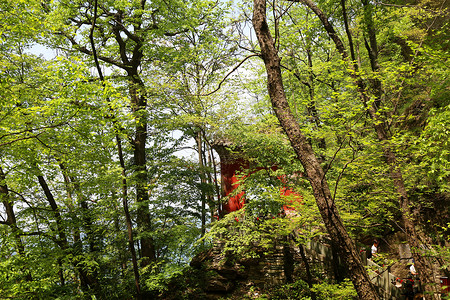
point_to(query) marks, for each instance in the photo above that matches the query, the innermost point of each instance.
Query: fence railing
(379, 275)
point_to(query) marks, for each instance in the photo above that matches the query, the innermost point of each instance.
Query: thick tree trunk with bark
(140, 163)
(314, 171)
(128, 58)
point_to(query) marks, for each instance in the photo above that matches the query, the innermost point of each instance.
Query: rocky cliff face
(229, 274)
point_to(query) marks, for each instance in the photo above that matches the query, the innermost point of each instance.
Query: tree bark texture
(139, 105)
(314, 171)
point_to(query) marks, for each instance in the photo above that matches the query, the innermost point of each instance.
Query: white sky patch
(41, 50)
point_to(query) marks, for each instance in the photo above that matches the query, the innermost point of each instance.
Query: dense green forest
(110, 111)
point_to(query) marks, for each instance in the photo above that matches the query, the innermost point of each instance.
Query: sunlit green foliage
(60, 123)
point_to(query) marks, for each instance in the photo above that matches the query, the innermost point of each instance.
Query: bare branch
(327, 25)
(84, 50)
(228, 74)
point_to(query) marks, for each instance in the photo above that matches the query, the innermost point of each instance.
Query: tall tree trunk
(201, 154)
(139, 104)
(210, 194)
(129, 59)
(216, 184)
(128, 220)
(423, 265)
(309, 276)
(122, 164)
(308, 271)
(311, 106)
(314, 171)
(11, 218)
(60, 228)
(382, 129)
(349, 35)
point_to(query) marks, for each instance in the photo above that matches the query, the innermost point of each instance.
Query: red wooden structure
(231, 163)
